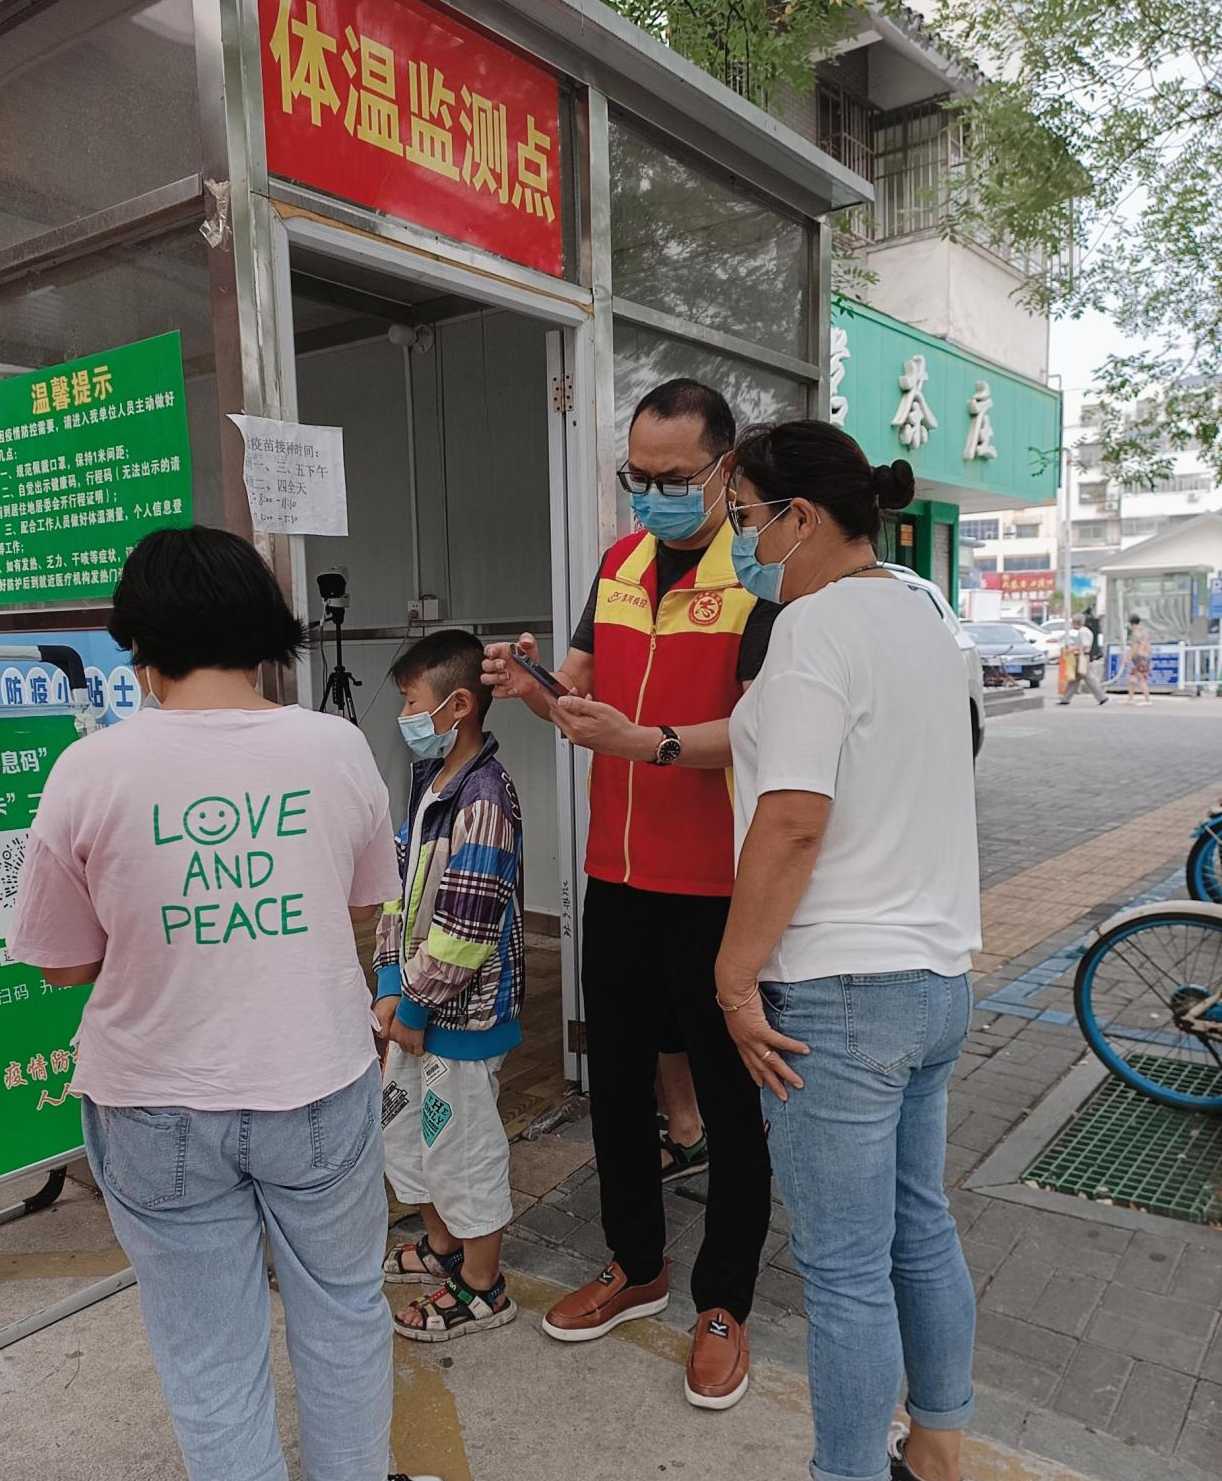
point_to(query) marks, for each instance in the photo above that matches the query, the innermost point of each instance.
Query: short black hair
(447, 660)
(1134, 619)
(687, 398)
(201, 598)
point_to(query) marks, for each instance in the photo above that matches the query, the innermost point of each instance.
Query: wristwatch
(670, 748)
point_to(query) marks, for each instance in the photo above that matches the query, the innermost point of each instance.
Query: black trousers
(643, 953)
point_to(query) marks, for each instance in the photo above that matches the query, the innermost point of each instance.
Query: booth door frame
(569, 396)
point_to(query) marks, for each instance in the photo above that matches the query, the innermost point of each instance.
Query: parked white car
(1047, 639)
(971, 657)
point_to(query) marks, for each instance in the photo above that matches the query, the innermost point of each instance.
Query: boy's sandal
(436, 1267)
(473, 1311)
(685, 1162)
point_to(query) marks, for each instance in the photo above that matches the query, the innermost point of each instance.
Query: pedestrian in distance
(667, 644)
(1079, 644)
(228, 1081)
(1137, 661)
(451, 966)
(843, 975)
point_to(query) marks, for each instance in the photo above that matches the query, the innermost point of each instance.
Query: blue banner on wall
(108, 672)
(1165, 661)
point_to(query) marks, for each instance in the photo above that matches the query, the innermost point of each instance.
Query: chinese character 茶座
(839, 408)
(913, 416)
(310, 78)
(980, 428)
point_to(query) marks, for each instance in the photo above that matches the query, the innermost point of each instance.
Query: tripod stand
(340, 681)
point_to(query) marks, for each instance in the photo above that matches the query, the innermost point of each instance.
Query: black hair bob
(202, 598)
(820, 462)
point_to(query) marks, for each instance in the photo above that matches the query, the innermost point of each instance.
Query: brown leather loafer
(603, 1303)
(718, 1368)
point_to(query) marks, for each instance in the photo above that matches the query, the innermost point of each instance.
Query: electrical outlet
(424, 610)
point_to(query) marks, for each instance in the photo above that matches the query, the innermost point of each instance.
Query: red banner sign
(394, 105)
(1020, 583)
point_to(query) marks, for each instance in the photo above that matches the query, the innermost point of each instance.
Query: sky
(1077, 347)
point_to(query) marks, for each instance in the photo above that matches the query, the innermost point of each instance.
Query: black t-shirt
(672, 566)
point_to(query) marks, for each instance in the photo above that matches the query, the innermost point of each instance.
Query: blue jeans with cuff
(190, 1194)
(859, 1155)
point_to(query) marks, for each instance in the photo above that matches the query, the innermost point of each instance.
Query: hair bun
(894, 484)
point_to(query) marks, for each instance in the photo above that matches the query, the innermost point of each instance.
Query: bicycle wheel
(1204, 868)
(1130, 988)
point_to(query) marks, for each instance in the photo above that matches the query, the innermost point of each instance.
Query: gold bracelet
(742, 1002)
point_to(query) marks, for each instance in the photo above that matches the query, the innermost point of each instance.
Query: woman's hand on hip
(761, 1047)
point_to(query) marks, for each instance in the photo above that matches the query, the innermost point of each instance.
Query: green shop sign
(960, 421)
(93, 455)
(40, 1121)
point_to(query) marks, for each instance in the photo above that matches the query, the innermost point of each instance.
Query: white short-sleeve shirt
(863, 698)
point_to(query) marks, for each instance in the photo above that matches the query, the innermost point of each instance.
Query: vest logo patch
(632, 598)
(705, 608)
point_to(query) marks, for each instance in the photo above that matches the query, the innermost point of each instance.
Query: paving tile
(1151, 1344)
(1150, 1263)
(1189, 1318)
(1198, 1276)
(551, 1224)
(1093, 1383)
(980, 1131)
(1152, 1408)
(1068, 1302)
(1201, 1438)
(966, 1208)
(779, 1286)
(959, 1162)
(1035, 1344)
(539, 1166)
(1013, 1375)
(1016, 1286)
(583, 1202)
(1211, 1368)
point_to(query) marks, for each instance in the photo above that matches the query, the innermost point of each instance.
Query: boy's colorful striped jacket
(451, 949)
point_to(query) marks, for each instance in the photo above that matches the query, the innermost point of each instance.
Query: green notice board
(93, 455)
(39, 1120)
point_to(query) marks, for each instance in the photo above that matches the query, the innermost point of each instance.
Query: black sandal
(436, 1267)
(473, 1311)
(685, 1162)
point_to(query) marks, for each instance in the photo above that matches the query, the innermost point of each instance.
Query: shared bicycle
(1148, 991)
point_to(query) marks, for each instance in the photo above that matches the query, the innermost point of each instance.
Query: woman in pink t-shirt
(201, 865)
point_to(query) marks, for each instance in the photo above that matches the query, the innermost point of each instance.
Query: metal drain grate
(1124, 1148)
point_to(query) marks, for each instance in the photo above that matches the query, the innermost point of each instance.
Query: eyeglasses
(633, 482)
(737, 511)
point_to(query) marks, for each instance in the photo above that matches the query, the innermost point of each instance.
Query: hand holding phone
(537, 672)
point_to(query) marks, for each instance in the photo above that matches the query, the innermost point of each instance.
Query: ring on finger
(767, 1055)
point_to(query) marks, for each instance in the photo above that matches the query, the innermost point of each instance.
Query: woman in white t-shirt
(843, 972)
(201, 864)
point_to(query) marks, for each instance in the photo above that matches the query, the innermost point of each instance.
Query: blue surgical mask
(761, 578)
(422, 740)
(676, 516)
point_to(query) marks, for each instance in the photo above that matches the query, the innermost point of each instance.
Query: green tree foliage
(1098, 147)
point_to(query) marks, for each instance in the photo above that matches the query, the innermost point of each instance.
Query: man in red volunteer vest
(666, 645)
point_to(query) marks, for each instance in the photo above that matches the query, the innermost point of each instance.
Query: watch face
(669, 751)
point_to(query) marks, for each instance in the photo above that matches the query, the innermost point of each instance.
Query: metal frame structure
(254, 223)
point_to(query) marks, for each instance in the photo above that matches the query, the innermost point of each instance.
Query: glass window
(979, 529)
(125, 294)
(644, 359)
(1027, 563)
(986, 563)
(703, 249)
(97, 104)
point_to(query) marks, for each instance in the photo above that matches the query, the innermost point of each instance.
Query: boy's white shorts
(445, 1144)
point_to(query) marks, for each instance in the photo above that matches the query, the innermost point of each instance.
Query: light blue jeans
(858, 1154)
(190, 1194)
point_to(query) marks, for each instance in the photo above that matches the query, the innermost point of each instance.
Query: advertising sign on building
(400, 107)
(94, 454)
(109, 676)
(1020, 583)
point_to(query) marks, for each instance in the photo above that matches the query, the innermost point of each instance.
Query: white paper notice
(294, 476)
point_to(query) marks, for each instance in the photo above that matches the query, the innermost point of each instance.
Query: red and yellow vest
(665, 828)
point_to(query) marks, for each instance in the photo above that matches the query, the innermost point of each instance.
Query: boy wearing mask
(450, 963)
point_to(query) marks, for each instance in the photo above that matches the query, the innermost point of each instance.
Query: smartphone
(539, 674)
